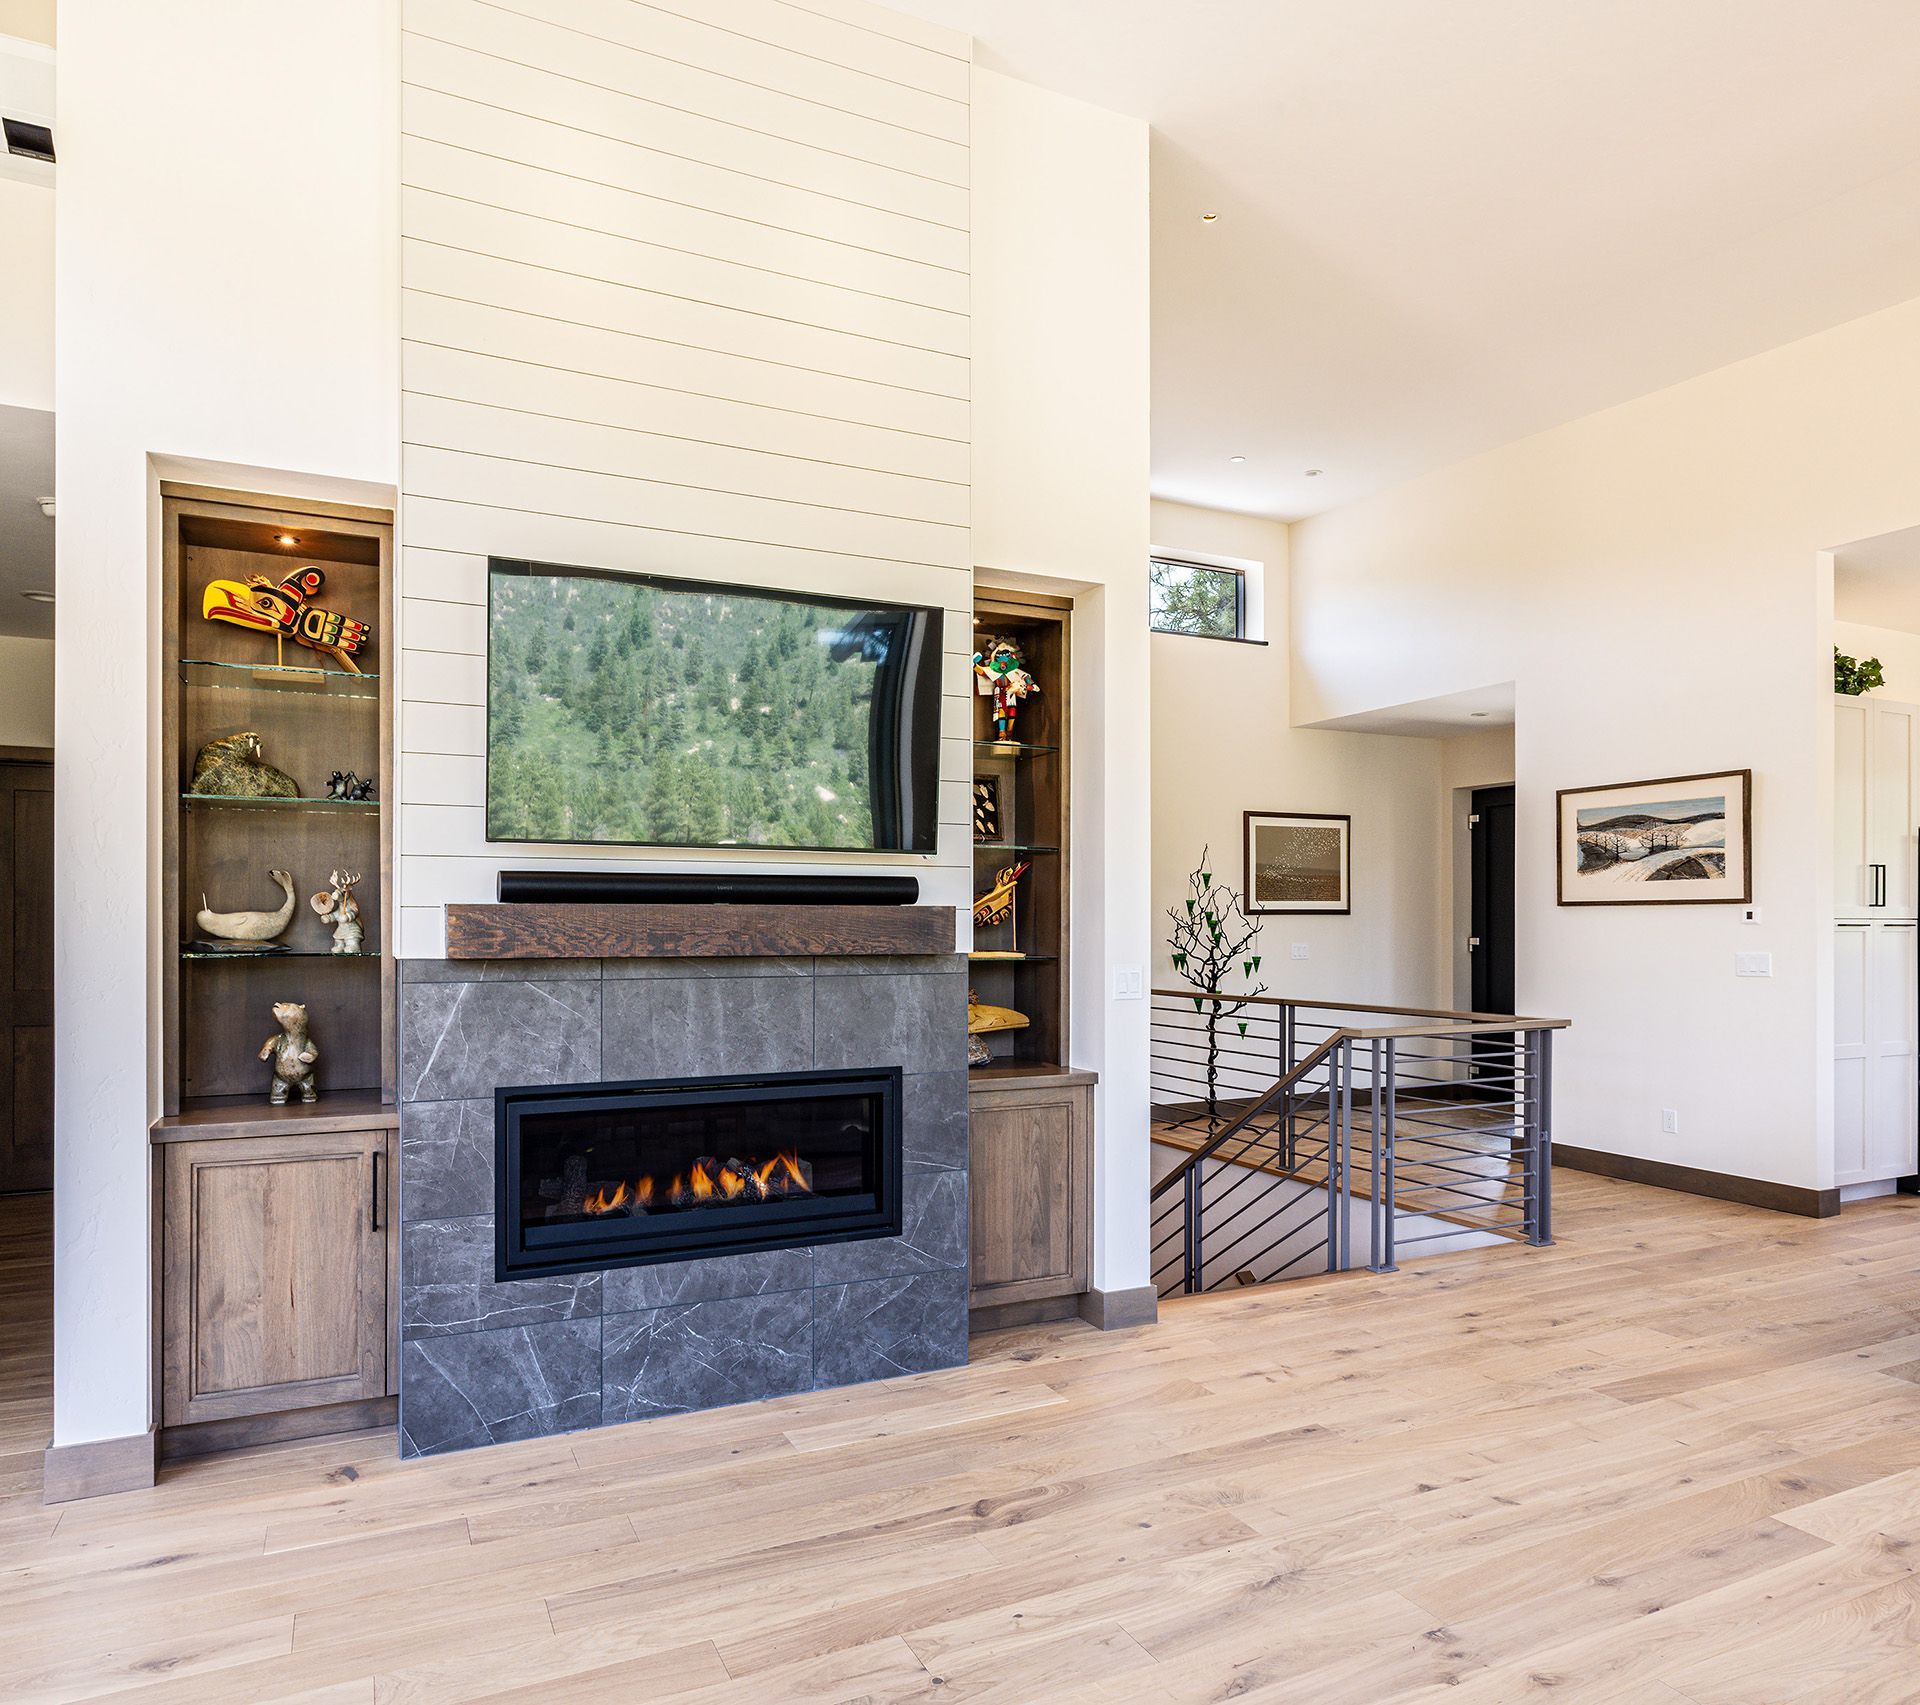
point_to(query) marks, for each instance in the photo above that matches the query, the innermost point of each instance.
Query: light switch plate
(1749, 914)
(1753, 964)
(1128, 983)
(1299, 950)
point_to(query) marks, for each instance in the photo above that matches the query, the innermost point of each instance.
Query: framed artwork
(1674, 841)
(986, 808)
(1297, 861)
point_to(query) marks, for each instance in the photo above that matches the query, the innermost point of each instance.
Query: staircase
(1286, 1132)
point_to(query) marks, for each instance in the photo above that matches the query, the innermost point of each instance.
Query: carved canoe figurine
(984, 1021)
(996, 905)
(287, 611)
(249, 926)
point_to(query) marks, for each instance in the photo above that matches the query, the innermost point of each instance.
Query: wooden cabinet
(274, 1279)
(1031, 1192)
(1876, 1033)
(1876, 807)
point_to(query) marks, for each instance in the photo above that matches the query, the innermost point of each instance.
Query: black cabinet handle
(1879, 897)
(377, 1157)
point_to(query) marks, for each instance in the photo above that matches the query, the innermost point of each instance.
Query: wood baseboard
(1697, 1181)
(1036, 1311)
(1112, 1311)
(205, 1438)
(99, 1466)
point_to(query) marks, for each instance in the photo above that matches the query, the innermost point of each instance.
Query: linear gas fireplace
(619, 1174)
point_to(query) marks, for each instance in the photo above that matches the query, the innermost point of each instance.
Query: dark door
(26, 976)
(1492, 927)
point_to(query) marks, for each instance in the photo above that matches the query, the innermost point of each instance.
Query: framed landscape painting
(1298, 862)
(1676, 841)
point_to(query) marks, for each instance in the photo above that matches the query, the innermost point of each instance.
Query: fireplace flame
(709, 1182)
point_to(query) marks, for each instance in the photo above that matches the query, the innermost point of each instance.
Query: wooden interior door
(26, 976)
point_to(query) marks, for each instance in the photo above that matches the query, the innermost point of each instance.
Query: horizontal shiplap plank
(478, 353)
(732, 203)
(605, 231)
(557, 490)
(711, 144)
(942, 70)
(596, 63)
(717, 469)
(680, 42)
(476, 529)
(705, 304)
(455, 729)
(886, 21)
(430, 625)
(448, 576)
(442, 678)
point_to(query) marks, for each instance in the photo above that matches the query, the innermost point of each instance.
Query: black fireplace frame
(711, 1233)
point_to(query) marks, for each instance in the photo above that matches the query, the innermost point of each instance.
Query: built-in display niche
(623, 1174)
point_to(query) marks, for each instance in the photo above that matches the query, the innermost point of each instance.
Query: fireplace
(606, 1175)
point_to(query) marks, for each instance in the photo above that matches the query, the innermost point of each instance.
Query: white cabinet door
(1893, 1007)
(1852, 1077)
(1850, 886)
(1890, 810)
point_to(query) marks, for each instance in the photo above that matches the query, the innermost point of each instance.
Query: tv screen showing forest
(637, 710)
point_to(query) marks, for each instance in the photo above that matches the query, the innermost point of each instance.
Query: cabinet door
(1894, 1094)
(1030, 1194)
(1890, 810)
(1850, 886)
(1852, 1073)
(274, 1275)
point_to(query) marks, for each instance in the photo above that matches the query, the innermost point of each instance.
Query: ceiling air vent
(34, 141)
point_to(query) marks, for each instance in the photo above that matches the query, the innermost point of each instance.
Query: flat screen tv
(636, 710)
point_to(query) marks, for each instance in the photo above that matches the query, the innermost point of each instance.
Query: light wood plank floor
(1675, 1458)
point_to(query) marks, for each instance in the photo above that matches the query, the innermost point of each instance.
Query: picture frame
(1296, 862)
(1670, 841)
(986, 808)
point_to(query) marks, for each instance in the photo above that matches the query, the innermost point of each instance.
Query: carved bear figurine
(293, 1055)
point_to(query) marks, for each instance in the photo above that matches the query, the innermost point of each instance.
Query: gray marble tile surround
(483, 1362)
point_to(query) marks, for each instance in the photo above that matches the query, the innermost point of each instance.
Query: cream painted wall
(1223, 743)
(26, 295)
(228, 306)
(26, 691)
(1060, 479)
(31, 20)
(1650, 578)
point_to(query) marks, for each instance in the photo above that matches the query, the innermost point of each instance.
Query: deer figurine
(338, 907)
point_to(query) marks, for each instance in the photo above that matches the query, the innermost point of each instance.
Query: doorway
(1491, 929)
(26, 974)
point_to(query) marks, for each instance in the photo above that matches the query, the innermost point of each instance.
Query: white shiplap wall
(685, 292)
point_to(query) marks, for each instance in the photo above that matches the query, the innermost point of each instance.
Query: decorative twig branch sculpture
(1212, 942)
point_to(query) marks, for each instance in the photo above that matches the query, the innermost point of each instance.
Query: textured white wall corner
(1061, 449)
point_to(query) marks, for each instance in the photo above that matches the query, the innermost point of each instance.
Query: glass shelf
(269, 802)
(277, 678)
(987, 956)
(1011, 749)
(207, 957)
(1010, 847)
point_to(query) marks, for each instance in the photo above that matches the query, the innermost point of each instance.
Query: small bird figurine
(996, 905)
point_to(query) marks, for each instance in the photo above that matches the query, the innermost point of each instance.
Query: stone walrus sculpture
(249, 926)
(232, 768)
(293, 1054)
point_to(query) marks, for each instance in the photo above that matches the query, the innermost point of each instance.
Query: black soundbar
(627, 887)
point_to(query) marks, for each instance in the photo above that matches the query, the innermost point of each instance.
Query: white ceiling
(1445, 226)
(1877, 581)
(26, 535)
(1470, 711)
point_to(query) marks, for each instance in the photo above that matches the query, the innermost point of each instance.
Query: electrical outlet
(1749, 914)
(1128, 982)
(1670, 1121)
(1753, 964)
(1300, 950)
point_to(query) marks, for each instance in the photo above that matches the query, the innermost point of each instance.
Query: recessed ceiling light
(1208, 218)
(1479, 713)
(1236, 460)
(39, 597)
(285, 539)
(1313, 473)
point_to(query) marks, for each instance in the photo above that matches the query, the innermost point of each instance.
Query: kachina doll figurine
(1000, 672)
(293, 1054)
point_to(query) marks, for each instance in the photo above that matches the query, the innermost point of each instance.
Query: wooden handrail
(1460, 1023)
(1207, 1148)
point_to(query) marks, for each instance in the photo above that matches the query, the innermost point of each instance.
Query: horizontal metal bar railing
(1289, 1109)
